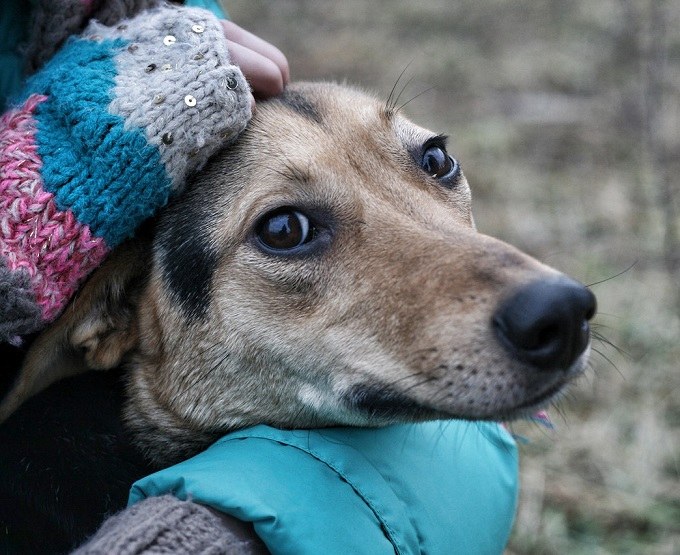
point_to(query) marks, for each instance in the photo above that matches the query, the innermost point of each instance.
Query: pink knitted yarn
(54, 249)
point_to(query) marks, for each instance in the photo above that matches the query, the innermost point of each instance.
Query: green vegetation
(566, 119)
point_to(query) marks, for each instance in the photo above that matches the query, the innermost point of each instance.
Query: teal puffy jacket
(435, 488)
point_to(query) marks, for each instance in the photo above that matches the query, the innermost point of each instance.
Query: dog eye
(285, 230)
(438, 164)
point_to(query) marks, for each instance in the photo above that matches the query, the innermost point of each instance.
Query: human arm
(167, 525)
(54, 229)
(264, 66)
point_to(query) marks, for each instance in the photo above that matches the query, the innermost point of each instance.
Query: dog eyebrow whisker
(403, 89)
(421, 93)
(391, 101)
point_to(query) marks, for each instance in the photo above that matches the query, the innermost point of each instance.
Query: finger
(262, 73)
(245, 38)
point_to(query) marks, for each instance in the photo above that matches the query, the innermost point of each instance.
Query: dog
(324, 270)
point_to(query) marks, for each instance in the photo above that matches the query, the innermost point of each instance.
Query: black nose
(545, 323)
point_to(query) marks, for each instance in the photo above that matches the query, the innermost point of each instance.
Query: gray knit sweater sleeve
(168, 525)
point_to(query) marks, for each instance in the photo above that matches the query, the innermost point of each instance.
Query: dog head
(324, 270)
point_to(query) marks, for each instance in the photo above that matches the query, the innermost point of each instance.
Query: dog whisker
(614, 276)
(421, 93)
(427, 380)
(407, 377)
(420, 355)
(199, 354)
(391, 101)
(606, 358)
(602, 339)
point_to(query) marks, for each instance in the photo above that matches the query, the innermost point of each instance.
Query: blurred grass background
(566, 119)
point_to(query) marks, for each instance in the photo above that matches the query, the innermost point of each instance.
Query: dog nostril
(590, 314)
(545, 336)
(545, 323)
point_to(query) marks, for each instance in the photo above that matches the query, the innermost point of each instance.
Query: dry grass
(566, 118)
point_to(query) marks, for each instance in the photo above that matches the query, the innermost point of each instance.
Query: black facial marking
(188, 261)
(380, 402)
(300, 105)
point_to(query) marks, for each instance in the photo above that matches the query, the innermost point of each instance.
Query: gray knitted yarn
(167, 525)
(19, 313)
(55, 20)
(176, 82)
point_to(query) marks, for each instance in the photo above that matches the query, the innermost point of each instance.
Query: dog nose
(545, 323)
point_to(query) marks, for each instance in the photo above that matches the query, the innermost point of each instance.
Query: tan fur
(400, 300)
(94, 333)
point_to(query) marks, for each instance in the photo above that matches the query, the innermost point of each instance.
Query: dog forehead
(324, 102)
(334, 123)
(323, 136)
(323, 113)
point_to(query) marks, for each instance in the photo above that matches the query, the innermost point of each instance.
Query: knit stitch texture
(55, 20)
(175, 80)
(164, 525)
(107, 131)
(39, 243)
(110, 177)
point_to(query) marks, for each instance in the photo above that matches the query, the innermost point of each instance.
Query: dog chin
(383, 405)
(377, 404)
(547, 397)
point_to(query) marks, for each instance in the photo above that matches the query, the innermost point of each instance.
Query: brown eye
(284, 230)
(438, 164)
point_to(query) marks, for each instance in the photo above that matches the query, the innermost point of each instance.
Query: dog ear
(95, 331)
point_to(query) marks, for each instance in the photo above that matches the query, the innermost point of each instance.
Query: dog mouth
(381, 403)
(546, 396)
(530, 406)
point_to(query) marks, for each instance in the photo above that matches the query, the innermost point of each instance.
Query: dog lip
(564, 378)
(543, 397)
(381, 402)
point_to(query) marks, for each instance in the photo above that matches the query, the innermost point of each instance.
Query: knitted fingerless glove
(108, 130)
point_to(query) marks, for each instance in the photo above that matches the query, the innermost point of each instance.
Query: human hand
(119, 118)
(264, 66)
